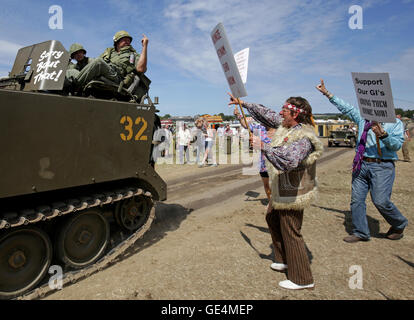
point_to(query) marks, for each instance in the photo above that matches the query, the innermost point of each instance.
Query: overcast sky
(293, 43)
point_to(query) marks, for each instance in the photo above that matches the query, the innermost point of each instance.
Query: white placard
(226, 57)
(242, 61)
(374, 96)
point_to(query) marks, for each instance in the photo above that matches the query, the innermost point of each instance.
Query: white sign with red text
(227, 61)
(242, 61)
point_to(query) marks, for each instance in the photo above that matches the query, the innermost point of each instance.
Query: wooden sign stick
(244, 117)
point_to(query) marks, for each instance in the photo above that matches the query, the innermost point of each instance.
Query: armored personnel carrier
(77, 180)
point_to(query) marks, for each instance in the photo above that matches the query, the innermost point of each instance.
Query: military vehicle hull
(50, 142)
(342, 137)
(77, 183)
(64, 157)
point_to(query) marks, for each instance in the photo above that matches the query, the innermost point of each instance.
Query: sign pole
(244, 117)
(378, 146)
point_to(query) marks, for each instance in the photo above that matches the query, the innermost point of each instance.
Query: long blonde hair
(201, 123)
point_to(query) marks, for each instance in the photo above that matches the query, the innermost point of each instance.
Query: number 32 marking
(128, 126)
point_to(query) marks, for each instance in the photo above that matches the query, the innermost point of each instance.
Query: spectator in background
(183, 142)
(407, 138)
(168, 140)
(220, 134)
(244, 133)
(266, 134)
(161, 136)
(198, 134)
(234, 130)
(220, 131)
(228, 132)
(238, 132)
(210, 138)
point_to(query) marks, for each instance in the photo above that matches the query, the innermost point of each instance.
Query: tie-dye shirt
(263, 137)
(284, 158)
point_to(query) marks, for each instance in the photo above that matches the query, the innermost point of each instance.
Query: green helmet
(121, 34)
(74, 48)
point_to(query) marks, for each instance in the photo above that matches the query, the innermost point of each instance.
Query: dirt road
(210, 241)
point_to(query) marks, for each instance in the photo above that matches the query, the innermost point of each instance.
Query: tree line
(404, 113)
(398, 111)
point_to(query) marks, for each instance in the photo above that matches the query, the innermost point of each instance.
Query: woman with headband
(291, 157)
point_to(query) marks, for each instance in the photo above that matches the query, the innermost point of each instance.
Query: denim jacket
(389, 145)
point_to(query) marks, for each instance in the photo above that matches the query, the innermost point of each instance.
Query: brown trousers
(285, 226)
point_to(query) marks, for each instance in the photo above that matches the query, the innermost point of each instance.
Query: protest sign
(242, 61)
(226, 58)
(43, 64)
(374, 96)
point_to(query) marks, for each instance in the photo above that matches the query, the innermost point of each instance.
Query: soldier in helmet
(77, 52)
(119, 63)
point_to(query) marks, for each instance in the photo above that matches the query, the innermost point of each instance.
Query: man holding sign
(373, 168)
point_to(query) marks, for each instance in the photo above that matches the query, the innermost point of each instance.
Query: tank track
(31, 216)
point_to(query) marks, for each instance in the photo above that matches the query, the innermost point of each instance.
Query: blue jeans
(199, 147)
(208, 145)
(377, 178)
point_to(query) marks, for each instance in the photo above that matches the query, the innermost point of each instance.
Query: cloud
(4, 73)
(371, 3)
(8, 48)
(8, 51)
(124, 6)
(400, 67)
(281, 35)
(293, 43)
(290, 42)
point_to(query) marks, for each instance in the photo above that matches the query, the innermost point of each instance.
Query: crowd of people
(202, 138)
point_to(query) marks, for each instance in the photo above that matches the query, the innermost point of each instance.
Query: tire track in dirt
(191, 191)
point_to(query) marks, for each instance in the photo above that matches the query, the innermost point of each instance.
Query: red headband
(294, 108)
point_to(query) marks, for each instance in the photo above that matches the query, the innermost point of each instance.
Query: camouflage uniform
(82, 64)
(115, 66)
(73, 70)
(71, 65)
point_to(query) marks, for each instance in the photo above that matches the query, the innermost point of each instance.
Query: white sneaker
(287, 284)
(278, 266)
